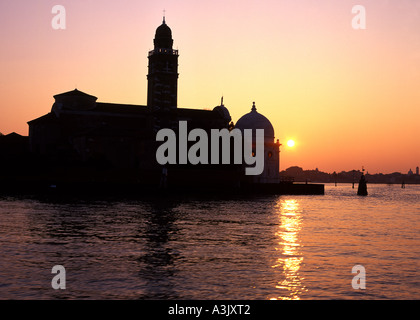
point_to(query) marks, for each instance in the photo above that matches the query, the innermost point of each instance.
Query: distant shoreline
(357, 182)
(297, 174)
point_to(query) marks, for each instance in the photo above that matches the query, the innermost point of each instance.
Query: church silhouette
(85, 142)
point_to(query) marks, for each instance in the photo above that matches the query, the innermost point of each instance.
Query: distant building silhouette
(13, 144)
(14, 155)
(417, 170)
(300, 175)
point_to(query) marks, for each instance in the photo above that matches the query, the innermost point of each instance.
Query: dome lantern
(223, 111)
(253, 107)
(163, 36)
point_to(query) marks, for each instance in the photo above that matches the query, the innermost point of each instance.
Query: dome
(254, 120)
(163, 36)
(223, 111)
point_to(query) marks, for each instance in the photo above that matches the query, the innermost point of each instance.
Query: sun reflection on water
(290, 259)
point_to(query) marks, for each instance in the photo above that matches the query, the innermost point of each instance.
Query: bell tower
(162, 78)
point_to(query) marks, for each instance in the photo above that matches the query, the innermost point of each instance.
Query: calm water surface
(273, 247)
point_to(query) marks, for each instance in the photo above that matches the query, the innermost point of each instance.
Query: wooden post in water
(362, 190)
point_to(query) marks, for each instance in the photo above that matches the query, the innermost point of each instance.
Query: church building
(82, 139)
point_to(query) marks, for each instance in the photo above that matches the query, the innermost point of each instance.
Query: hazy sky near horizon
(348, 98)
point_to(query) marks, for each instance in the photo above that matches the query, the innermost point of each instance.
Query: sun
(290, 143)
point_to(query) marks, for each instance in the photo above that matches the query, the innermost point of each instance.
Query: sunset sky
(348, 98)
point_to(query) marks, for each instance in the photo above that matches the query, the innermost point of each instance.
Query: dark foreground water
(273, 247)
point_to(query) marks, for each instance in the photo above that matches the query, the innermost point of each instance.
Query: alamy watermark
(59, 281)
(359, 280)
(198, 153)
(359, 20)
(59, 20)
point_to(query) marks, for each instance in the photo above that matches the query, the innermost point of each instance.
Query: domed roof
(163, 36)
(254, 120)
(224, 112)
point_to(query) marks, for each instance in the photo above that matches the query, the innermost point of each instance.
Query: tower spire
(164, 11)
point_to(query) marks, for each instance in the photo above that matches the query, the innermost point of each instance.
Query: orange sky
(349, 98)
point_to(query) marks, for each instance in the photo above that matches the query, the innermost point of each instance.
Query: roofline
(74, 92)
(39, 118)
(122, 104)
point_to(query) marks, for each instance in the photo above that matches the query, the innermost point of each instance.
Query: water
(272, 247)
